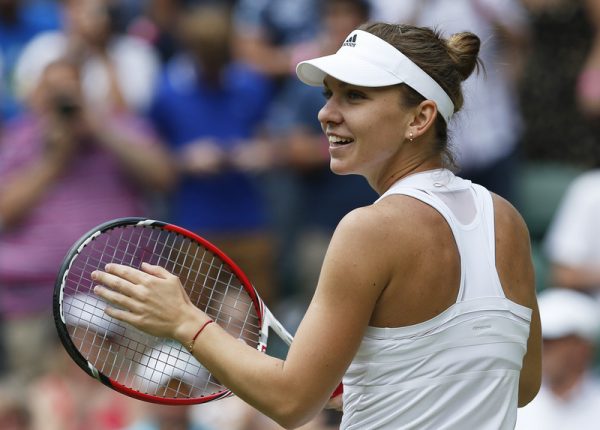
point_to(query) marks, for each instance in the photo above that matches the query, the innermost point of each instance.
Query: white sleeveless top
(460, 369)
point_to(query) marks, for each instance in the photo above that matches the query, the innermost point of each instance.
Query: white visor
(368, 61)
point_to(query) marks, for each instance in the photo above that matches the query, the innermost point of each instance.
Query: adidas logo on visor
(351, 41)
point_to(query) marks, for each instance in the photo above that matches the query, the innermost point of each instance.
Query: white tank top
(459, 370)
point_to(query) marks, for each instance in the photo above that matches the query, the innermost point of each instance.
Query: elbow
(292, 413)
(165, 182)
(163, 179)
(290, 420)
(526, 397)
(527, 392)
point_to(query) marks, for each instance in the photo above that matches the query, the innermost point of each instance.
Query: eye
(355, 95)
(327, 93)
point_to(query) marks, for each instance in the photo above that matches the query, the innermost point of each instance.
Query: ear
(423, 120)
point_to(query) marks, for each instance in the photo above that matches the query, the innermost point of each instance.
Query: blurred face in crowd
(206, 34)
(564, 357)
(341, 17)
(171, 417)
(90, 19)
(59, 88)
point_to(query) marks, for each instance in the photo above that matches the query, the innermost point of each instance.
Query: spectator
(487, 134)
(19, 23)
(118, 70)
(14, 409)
(588, 83)
(168, 417)
(310, 199)
(267, 31)
(64, 168)
(570, 394)
(64, 397)
(572, 242)
(157, 25)
(208, 108)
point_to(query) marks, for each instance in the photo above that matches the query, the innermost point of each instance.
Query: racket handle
(339, 390)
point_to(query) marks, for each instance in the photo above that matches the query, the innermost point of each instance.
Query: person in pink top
(64, 168)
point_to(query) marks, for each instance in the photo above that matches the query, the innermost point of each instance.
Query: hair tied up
(463, 49)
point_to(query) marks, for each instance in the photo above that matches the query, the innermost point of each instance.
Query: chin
(339, 168)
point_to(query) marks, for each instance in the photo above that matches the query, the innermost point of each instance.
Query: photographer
(64, 168)
(118, 70)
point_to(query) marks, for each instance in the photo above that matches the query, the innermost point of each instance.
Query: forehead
(332, 83)
(61, 69)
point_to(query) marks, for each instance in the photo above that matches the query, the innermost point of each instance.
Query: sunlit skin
(377, 268)
(379, 129)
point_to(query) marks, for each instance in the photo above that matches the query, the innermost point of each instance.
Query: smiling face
(368, 130)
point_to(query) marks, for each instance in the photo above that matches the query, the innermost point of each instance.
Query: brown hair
(448, 61)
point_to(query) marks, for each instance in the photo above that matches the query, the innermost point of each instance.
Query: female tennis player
(425, 304)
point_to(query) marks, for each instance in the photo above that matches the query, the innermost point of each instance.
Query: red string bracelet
(190, 347)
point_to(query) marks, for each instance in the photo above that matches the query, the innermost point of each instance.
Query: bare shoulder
(393, 217)
(373, 233)
(506, 215)
(515, 269)
(513, 252)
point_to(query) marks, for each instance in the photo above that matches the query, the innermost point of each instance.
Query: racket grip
(339, 390)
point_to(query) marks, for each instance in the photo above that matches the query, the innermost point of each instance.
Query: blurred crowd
(189, 111)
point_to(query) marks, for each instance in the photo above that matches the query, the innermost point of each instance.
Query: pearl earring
(410, 136)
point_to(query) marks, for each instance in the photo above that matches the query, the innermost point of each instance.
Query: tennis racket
(134, 363)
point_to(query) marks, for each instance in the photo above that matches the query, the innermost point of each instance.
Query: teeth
(337, 139)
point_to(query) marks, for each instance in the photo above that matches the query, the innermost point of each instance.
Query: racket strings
(136, 360)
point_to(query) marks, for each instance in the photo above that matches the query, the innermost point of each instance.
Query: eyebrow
(341, 84)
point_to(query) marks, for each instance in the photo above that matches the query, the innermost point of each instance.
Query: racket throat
(262, 340)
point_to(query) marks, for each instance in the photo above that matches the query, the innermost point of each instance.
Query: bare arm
(146, 161)
(23, 189)
(253, 47)
(578, 278)
(515, 267)
(291, 391)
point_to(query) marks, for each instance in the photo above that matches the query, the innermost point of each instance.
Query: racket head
(132, 362)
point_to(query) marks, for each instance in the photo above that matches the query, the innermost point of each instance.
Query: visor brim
(349, 69)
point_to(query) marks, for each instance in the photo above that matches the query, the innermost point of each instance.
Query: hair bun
(463, 49)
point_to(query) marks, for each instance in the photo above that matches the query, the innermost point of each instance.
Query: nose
(330, 113)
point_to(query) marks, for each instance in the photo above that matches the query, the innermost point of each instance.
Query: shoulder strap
(486, 204)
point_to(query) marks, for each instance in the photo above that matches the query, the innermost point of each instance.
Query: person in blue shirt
(209, 109)
(311, 199)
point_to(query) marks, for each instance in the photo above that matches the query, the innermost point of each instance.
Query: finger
(120, 314)
(335, 403)
(129, 273)
(114, 282)
(115, 298)
(158, 271)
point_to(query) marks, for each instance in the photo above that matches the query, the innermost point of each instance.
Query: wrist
(52, 167)
(190, 326)
(190, 345)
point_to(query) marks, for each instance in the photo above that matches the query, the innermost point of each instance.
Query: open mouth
(338, 140)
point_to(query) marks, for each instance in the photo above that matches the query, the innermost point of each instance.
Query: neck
(409, 168)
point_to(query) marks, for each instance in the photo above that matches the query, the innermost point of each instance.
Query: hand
(252, 156)
(152, 300)
(335, 403)
(202, 157)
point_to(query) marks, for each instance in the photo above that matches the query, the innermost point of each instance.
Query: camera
(66, 106)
